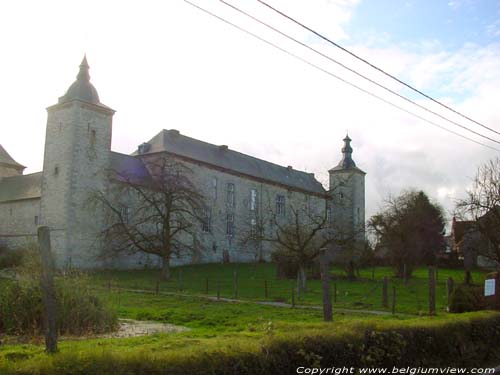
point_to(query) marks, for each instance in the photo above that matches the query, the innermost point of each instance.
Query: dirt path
(270, 303)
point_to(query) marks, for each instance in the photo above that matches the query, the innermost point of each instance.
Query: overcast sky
(165, 64)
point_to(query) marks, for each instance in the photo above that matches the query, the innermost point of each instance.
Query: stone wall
(18, 222)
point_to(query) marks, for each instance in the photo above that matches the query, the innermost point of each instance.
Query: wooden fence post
(385, 297)
(393, 300)
(327, 297)
(405, 274)
(449, 289)
(48, 290)
(432, 291)
(298, 286)
(235, 284)
(180, 280)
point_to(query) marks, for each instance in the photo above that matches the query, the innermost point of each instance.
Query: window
(92, 138)
(253, 200)
(230, 224)
(230, 194)
(125, 214)
(280, 205)
(214, 188)
(36, 220)
(206, 225)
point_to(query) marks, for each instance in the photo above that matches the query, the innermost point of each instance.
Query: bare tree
(159, 214)
(482, 205)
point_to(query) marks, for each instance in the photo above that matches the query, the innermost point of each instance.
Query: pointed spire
(347, 161)
(83, 74)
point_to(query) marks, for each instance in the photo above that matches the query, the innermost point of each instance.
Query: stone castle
(78, 150)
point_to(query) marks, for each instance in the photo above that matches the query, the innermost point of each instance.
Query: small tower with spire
(347, 190)
(77, 151)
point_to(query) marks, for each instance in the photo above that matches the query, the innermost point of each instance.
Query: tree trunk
(303, 278)
(165, 268)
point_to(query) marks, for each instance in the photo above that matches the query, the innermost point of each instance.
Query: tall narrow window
(125, 214)
(214, 188)
(280, 205)
(253, 200)
(230, 224)
(230, 195)
(207, 221)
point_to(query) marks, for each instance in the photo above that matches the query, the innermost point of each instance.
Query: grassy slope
(365, 293)
(218, 325)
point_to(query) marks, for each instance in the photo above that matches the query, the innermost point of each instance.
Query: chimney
(174, 132)
(289, 168)
(223, 147)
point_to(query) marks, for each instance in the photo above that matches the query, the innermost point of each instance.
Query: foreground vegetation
(247, 338)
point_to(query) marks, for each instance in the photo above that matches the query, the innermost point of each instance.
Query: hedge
(466, 342)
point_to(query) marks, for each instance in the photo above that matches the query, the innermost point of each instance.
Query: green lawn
(363, 293)
(221, 326)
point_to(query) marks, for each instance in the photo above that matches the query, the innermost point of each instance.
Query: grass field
(252, 279)
(222, 326)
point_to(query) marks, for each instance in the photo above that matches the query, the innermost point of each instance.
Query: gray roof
(21, 187)
(6, 159)
(221, 157)
(129, 167)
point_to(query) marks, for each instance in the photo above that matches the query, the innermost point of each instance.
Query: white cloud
(168, 65)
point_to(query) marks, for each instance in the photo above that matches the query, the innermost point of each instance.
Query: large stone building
(78, 150)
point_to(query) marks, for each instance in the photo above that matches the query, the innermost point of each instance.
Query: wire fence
(259, 283)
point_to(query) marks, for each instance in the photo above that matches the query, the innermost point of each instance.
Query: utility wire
(356, 72)
(376, 67)
(335, 76)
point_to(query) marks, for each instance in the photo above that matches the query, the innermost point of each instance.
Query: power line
(376, 67)
(335, 76)
(356, 72)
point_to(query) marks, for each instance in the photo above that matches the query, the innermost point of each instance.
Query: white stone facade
(78, 153)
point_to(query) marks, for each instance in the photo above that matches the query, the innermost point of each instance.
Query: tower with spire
(347, 191)
(77, 151)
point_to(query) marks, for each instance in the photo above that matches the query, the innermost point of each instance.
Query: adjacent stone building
(78, 151)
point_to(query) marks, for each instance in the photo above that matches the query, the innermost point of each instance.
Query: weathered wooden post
(393, 300)
(432, 291)
(327, 298)
(180, 280)
(48, 290)
(449, 289)
(405, 274)
(265, 289)
(385, 296)
(235, 284)
(298, 287)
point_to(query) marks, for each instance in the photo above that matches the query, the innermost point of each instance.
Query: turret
(347, 189)
(77, 152)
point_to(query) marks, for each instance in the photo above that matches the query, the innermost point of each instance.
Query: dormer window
(142, 149)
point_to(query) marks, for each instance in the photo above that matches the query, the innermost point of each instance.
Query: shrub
(10, 258)
(79, 311)
(467, 298)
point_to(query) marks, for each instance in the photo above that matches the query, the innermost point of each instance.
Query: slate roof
(129, 167)
(220, 156)
(21, 187)
(6, 159)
